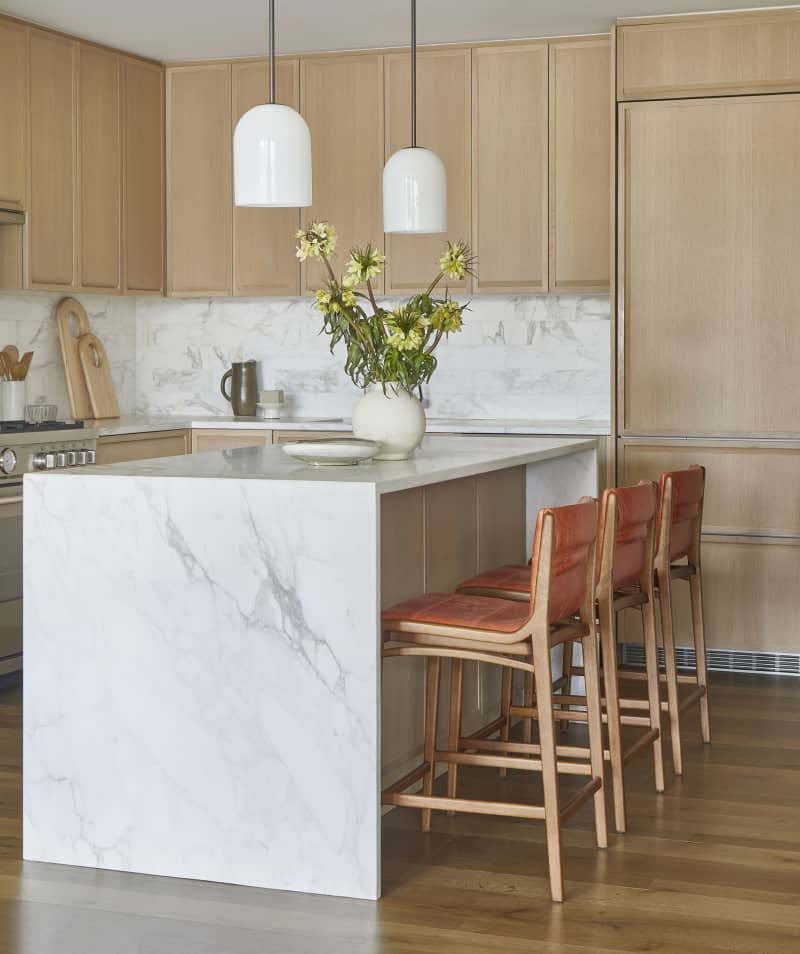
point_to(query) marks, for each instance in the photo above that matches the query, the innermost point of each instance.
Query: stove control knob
(72, 458)
(81, 457)
(91, 457)
(8, 461)
(44, 461)
(61, 459)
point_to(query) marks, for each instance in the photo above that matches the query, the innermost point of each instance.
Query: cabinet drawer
(748, 489)
(227, 439)
(126, 447)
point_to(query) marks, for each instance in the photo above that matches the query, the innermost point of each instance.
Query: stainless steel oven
(25, 448)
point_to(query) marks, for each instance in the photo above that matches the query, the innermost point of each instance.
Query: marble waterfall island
(202, 674)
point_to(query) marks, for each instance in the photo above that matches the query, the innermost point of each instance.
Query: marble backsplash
(537, 357)
(28, 321)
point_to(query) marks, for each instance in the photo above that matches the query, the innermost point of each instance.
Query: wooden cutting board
(102, 396)
(79, 400)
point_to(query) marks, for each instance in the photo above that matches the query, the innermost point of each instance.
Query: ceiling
(172, 30)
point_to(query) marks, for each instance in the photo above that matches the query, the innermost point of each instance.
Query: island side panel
(201, 680)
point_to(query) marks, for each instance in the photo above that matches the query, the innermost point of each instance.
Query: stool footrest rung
(409, 778)
(693, 696)
(469, 806)
(583, 794)
(509, 762)
(645, 739)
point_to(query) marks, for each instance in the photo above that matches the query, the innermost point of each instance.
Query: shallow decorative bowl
(332, 451)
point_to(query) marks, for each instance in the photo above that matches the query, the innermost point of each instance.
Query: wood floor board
(710, 866)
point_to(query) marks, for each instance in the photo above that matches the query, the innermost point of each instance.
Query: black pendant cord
(413, 73)
(271, 52)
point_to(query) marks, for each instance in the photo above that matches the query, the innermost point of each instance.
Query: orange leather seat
(510, 579)
(483, 614)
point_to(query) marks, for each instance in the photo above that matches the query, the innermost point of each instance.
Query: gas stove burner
(20, 427)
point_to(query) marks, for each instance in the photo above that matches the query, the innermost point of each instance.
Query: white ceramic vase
(395, 418)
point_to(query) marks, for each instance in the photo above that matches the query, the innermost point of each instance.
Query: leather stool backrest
(563, 559)
(680, 514)
(626, 537)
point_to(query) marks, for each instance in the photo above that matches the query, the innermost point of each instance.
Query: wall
(535, 357)
(28, 321)
(538, 357)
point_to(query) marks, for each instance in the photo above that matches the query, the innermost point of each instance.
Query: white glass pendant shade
(272, 158)
(414, 192)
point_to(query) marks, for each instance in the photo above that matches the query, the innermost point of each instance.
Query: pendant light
(272, 150)
(414, 179)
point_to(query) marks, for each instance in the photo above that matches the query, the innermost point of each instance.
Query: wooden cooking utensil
(12, 354)
(25, 361)
(79, 400)
(18, 371)
(94, 362)
(5, 371)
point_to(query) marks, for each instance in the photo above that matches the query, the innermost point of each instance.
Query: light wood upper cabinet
(509, 167)
(580, 165)
(53, 161)
(341, 98)
(713, 55)
(99, 158)
(143, 177)
(264, 260)
(443, 125)
(13, 115)
(199, 181)
(710, 219)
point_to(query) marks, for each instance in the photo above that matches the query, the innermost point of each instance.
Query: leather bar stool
(515, 636)
(626, 543)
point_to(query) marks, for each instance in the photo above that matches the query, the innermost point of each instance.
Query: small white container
(270, 412)
(12, 400)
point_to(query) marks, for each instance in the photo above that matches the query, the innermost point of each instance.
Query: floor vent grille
(722, 660)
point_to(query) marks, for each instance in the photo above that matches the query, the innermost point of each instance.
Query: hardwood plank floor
(711, 866)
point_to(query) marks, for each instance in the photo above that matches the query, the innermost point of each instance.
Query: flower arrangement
(384, 346)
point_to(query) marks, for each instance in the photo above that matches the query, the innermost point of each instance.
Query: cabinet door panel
(580, 166)
(51, 221)
(711, 227)
(143, 177)
(715, 55)
(341, 98)
(114, 450)
(509, 167)
(199, 184)
(99, 167)
(227, 439)
(13, 114)
(443, 125)
(264, 239)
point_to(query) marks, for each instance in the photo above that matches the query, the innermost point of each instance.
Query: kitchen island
(202, 665)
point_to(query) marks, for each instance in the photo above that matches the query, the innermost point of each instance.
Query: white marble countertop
(435, 461)
(137, 424)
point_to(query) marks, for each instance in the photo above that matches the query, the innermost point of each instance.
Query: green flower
(457, 261)
(446, 316)
(349, 298)
(317, 240)
(406, 330)
(364, 264)
(326, 302)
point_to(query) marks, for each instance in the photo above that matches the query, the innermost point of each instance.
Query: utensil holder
(12, 400)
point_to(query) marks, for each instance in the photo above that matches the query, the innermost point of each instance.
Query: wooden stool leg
(595, 717)
(432, 674)
(698, 629)
(567, 666)
(547, 741)
(527, 697)
(505, 706)
(653, 688)
(668, 638)
(608, 642)
(456, 695)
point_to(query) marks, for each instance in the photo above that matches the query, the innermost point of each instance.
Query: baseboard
(722, 660)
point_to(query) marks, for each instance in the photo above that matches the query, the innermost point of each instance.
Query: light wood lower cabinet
(264, 260)
(509, 167)
(283, 437)
(99, 170)
(13, 114)
(117, 449)
(199, 181)
(53, 161)
(443, 125)
(208, 439)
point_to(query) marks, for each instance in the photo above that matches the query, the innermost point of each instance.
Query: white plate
(332, 451)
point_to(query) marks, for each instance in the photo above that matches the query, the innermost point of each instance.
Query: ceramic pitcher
(243, 392)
